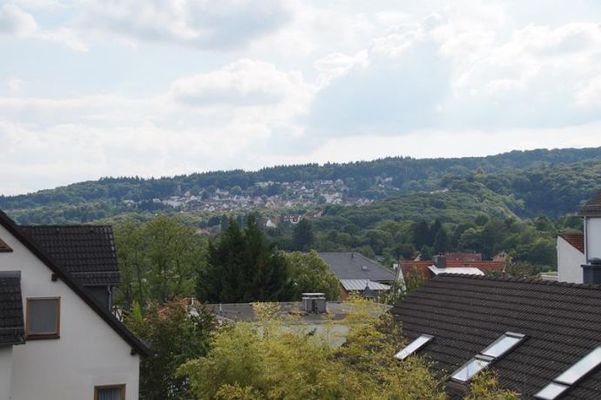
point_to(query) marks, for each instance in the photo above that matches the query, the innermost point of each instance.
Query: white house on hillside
(575, 249)
(58, 339)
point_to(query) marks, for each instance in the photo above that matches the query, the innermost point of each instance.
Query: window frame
(98, 388)
(44, 335)
(414, 346)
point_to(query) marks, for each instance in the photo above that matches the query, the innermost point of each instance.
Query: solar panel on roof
(413, 346)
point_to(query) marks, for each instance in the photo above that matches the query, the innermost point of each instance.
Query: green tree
(303, 235)
(243, 267)
(310, 273)
(158, 260)
(175, 336)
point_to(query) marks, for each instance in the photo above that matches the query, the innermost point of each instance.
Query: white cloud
(201, 23)
(14, 21)
(242, 83)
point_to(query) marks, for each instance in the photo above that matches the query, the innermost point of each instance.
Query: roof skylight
(503, 344)
(471, 368)
(414, 346)
(571, 375)
(496, 349)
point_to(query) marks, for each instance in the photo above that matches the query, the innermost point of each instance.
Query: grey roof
(11, 309)
(593, 207)
(352, 265)
(352, 285)
(466, 313)
(86, 252)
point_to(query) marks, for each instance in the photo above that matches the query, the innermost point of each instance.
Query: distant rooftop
(353, 265)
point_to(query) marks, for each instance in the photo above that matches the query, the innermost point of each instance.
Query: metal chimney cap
(595, 261)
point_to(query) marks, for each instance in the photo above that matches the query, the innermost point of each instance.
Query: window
(43, 318)
(109, 392)
(570, 376)
(413, 346)
(496, 349)
(503, 344)
(471, 368)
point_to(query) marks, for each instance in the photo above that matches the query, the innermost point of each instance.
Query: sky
(94, 88)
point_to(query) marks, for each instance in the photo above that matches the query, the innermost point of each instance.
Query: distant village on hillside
(270, 195)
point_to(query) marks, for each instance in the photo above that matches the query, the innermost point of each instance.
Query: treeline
(164, 259)
(549, 182)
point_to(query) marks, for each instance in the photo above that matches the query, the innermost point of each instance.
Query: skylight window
(570, 376)
(471, 368)
(413, 346)
(503, 344)
(496, 349)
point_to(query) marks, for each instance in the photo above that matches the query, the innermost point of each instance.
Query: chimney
(314, 303)
(591, 272)
(440, 261)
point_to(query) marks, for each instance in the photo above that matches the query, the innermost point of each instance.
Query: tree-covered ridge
(549, 182)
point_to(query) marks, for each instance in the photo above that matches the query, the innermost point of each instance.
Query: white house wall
(593, 237)
(5, 371)
(89, 352)
(569, 261)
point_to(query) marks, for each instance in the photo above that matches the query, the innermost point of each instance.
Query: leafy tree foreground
(271, 360)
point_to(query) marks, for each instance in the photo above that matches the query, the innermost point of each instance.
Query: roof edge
(117, 326)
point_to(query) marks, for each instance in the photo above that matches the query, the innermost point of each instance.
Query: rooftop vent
(364, 268)
(314, 303)
(440, 261)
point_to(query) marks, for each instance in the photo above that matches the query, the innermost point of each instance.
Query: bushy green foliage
(158, 260)
(243, 267)
(310, 273)
(174, 336)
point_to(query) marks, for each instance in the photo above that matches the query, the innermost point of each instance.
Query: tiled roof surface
(576, 239)
(350, 265)
(467, 313)
(11, 309)
(86, 252)
(593, 207)
(422, 266)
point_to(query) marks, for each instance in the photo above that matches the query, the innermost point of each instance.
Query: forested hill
(527, 183)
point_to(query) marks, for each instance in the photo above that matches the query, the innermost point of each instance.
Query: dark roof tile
(466, 313)
(86, 252)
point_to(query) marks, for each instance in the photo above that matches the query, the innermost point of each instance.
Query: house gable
(57, 273)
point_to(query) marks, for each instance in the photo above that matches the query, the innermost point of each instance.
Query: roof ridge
(521, 280)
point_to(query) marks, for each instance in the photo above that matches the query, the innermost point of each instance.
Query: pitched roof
(86, 252)
(593, 207)
(351, 265)
(351, 285)
(423, 266)
(11, 309)
(465, 314)
(60, 273)
(576, 239)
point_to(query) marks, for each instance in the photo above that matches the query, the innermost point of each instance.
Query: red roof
(422, 266)
(576, 239)
(466, 257)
